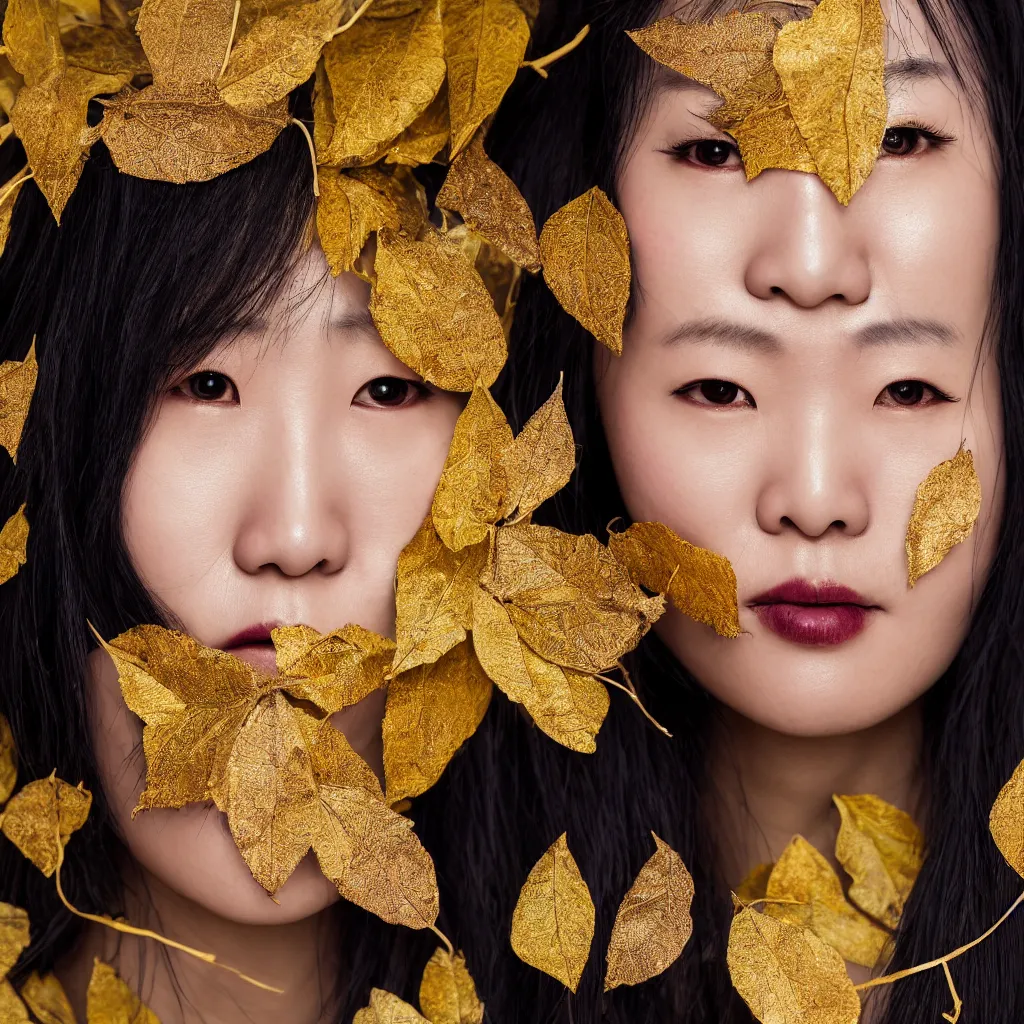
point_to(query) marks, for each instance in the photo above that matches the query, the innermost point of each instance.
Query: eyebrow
(914, 69)
(906, 332)
(353, 320)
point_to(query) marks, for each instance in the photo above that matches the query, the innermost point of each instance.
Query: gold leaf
(946, 508)
(10, 197)
(109, 1000)
(386, 1008)
(447, 992)
(13, 545)
(699, 582)
(484, 196)
(392, 8)
(31, 33)
(426, 136)
(46, 998)
(17, 385)
(8, 763)
(347, 213)
(787, 975)
(39, 813)
(12, 1009)
(484, 44)
(1006, 822)
(832, 69)
(10, 84)
(585, 250)
(431, 711)
(881, 849)
(653, 924)
(804, 875)
(106, 50)
(553, 923)
(755, 886)
(498, 647)
(568, 706)
(14, 936)
(185, 40)
(434, 313)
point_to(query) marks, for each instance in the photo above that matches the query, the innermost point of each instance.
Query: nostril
(776, 290)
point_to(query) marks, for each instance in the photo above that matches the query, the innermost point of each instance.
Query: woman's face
(277, 482)
(793, 371)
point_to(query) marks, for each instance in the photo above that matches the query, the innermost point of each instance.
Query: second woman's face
(793, 370)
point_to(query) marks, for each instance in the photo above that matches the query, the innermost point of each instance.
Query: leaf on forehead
(31, 34)
(653, 923)
(278, 53)
(484, 44)
(17, 385)
(880, 847)
(185, 40)
(755, 885)
(108, 1000)
(787, 975)
(421, 142)
(46, 998)
(484, 196)
(803, 875)
(585, 251)
(1006, 821)
(434, 313)
(8, 762)
(382, 75)
(347, 213)
(553, 923)
(39, 813)
(386, 1008)
(107, 50)
(946, 508)
(447, 992)
(699, 582)
(431, 711)
(14, 936)
(13, 545)
(832, 69)
(12, 1009)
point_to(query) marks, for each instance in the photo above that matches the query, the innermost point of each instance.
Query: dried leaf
(755, 886)
(585, 250)
(347, 213)
(699, 582)
(10, 197)
(447, 992)
(13, 545)
(109, 1000)
(12, 1009)
(46, 998)
(946, 508)
(434, 313)
(14, 936)
(105, 49)
(1006, 822)
(31, 33)
(8, 764)
(553, 923)
(185, 40)
(421, 142)
(653, 924)
(881, 849)
(17, 385)
(392, 8)
(386, 1008)
(787, 975)
(41, 815)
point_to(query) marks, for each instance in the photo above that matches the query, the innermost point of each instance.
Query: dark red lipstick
(253, 645)
(817, 614)
(258, 634)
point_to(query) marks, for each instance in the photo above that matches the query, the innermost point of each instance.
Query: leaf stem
(957, 1001)
(231, 39)
(444, 938)
(636, 700)
(312, 155)
(351, 21)
(541, 63)
(12, 185)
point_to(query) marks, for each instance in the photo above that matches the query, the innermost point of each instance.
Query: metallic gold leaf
(832, 69)
(14, 936)
(31, 34)
(1006, 822)
(787, 975)
(447, 992)
(10, 197)
(13, 545)
(43, 814)
(699, 582)
(424, 139)
(881, 849)
(46, 998)
(585, 250)
(391, 8)
(10, 84)
(484, 44)
(17, 385)
(802, 874)
(386, 1008)
(109, 1000)
(106, 50)
(185, 40)
(8, 763)
(653, 924)
(12, 1009)
(347, 213)
(755, 886)
(499, 649)
(946, 508)
(431, 711)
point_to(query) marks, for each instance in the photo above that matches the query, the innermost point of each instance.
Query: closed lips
(815, 614)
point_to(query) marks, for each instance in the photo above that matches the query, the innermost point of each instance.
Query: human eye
(910, 394)
(712, 154)
(391, 393)
(722, 394)
(912, 140)
(210, 387)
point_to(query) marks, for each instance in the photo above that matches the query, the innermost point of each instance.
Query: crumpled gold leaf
(17, 385)
(1006, 822)
(386, 1008)
(185, 40)
(447, 992)
(699, 582)
(14, 936)
(424, 139)
(880, 848)
(8, 762)
(585, 251)
(347, 213)
(787, 975)
(10, 197)
(431, 711)
(12, 1009)
(31, 33)
(755, 886)
(13, 545)
(553, 923)
(946, 508)
(804, 875)
(434, 313)
(108, 1000)
(46, 998)
(43, 814)
(391, 8)
(653, 923)
(484, 44)
(105, 49)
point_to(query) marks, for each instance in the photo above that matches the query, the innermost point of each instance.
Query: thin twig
(312, 155)
(444, 938)
(231, 39)
(541, 63)
(351, 21)
(11, 186)
(957, 1001)
(636, 700)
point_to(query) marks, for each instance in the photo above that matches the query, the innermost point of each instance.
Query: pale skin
(276, 483)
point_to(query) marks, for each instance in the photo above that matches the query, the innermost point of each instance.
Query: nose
(807, 251)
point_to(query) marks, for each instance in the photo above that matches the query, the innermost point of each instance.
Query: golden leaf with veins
(585, 250)
(185, 40)
(755, 886)
(881, 849)
(499, 649)
(787, 975)
(653, 924)
(946, 507)
(107, 50)
(13, 545)
(553, 923)
(431, 711)
(347, 213)
(1006, 822)
(386, 1008)
(43, 814)
(46, 998)
(31, 33)
(17, 385)
(804, 875)
(447, 992)
(12, 1009)
(426, 136)
(109, 1000)
(8, 762)
(434, 313)
(14, 936)
(699, 582)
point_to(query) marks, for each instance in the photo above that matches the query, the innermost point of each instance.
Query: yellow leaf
(487, 200)
(804, 875)
(946, 508)
(31, 33)
(484, 44)
(426, 136)
(17, 385)
(585, 251)
(347, 213)
(106, 50)
(185, 40)
(699, 582)
(13, 545)
(498, 647)
(12, 1009)
(391, 8)
(46, 998)
(553, 923)
(386, 1008)
(8, 763)
(787, 975)
(653, 924)
(755, 886)
(43, 814)
(1006, 821)
(832, 69)
(431, 711)
(10, 195)
(881, 849)
(447, 992)
(109, 1000)
(434, 313)
(14, 936)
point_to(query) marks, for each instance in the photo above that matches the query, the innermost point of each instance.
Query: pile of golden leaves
(17, 383)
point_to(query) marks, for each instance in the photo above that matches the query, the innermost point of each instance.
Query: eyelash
(687, 390)
(188, 388)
